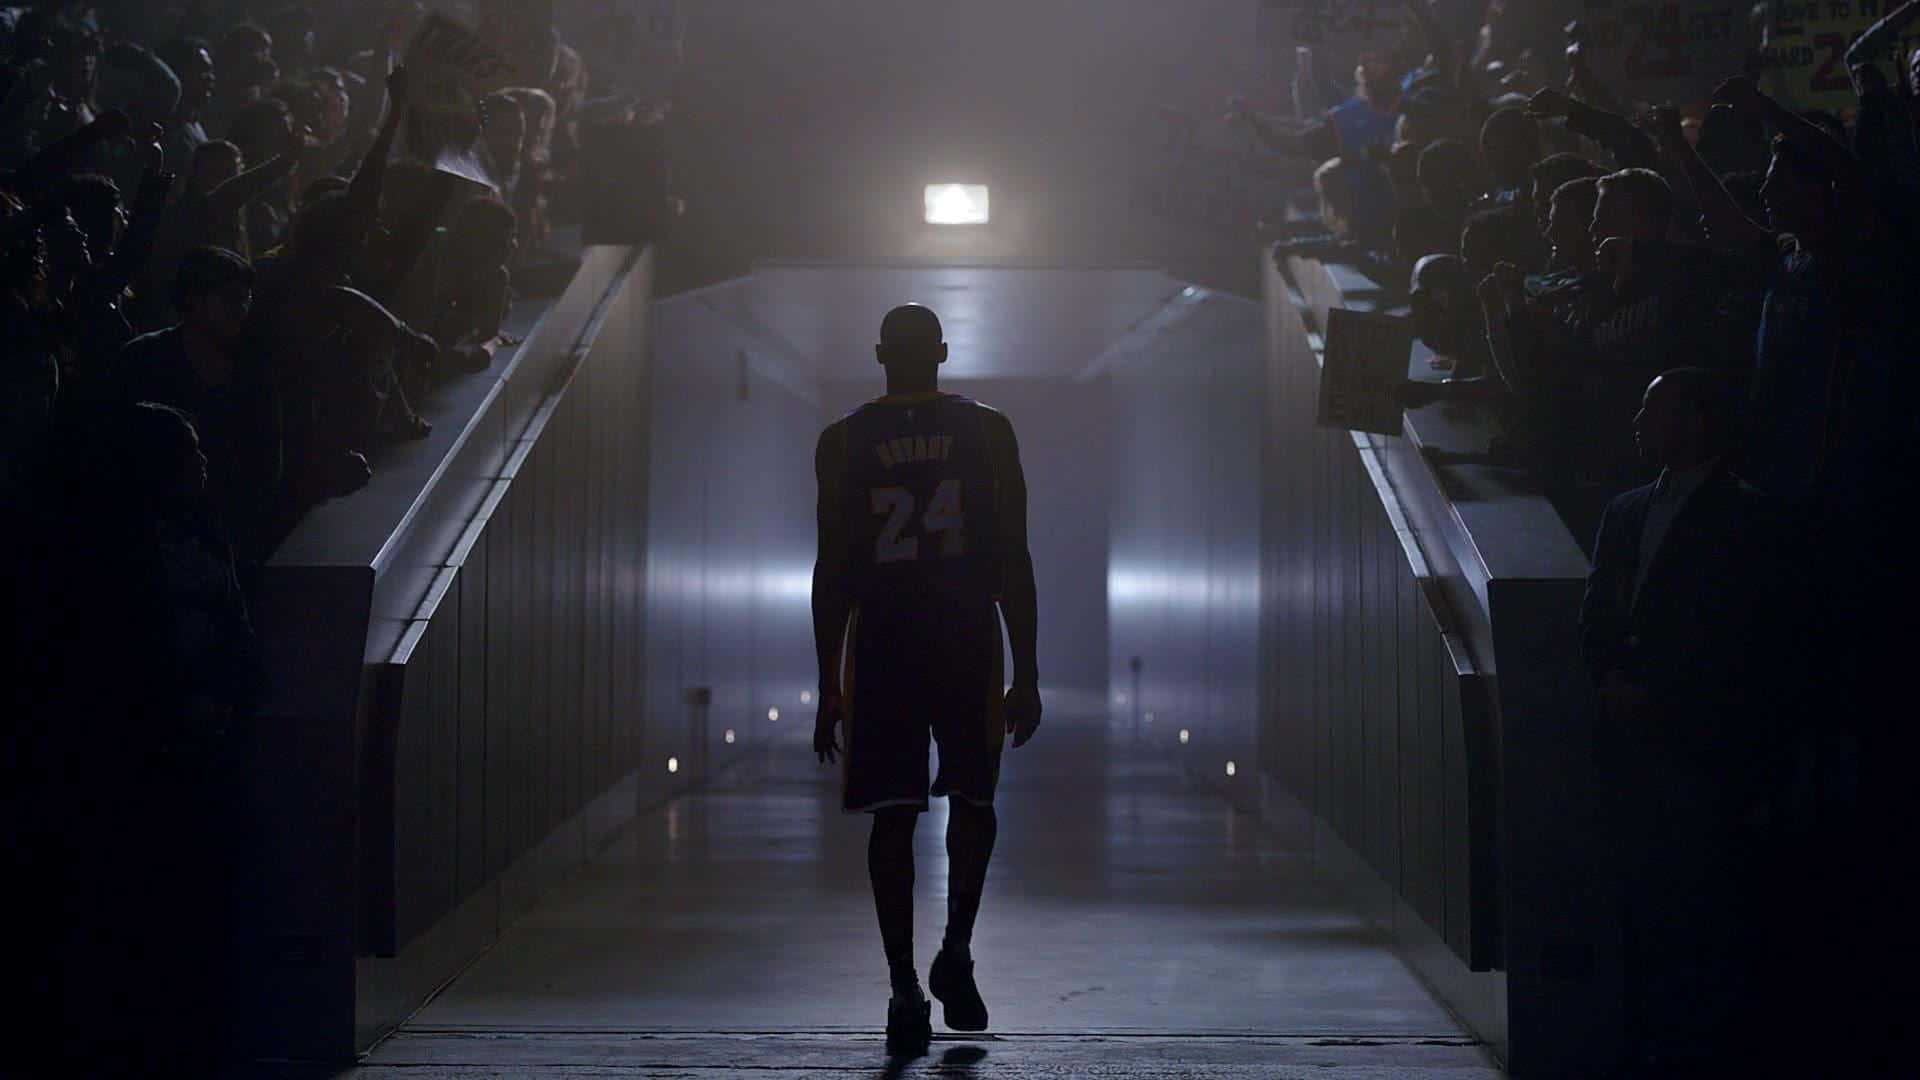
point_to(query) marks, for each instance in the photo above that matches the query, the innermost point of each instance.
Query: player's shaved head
(912, 326)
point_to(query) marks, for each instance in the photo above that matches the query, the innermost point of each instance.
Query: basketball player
(923, 530)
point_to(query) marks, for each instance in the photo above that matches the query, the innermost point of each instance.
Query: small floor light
(1184, 736)
(1148, 718)
(673, 764)
(773, 712)
(728, 736)
(806, 697)
(1230, 769)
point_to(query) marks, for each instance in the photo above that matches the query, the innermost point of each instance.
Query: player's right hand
(825, 744)
(1023, 712)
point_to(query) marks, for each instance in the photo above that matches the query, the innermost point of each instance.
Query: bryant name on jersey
(912, 448)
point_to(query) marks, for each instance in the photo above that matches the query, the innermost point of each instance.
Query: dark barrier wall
(1377, 718)
(1184, 573)
(456, 662)
(1423, 702)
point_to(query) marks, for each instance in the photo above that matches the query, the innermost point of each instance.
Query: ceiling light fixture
(957, 204)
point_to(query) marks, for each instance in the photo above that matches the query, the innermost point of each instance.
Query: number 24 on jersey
(943, 519)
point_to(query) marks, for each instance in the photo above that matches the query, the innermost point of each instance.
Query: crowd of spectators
(229, 275)
(1690, 325)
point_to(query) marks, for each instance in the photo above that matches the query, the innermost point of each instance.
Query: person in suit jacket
(1674, 629)
(1672, 597)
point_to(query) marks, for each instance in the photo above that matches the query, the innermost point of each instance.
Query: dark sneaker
(909, 1025)
(951, 980)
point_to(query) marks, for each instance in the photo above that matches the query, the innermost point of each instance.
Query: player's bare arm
(1019, 601)
(832, 596)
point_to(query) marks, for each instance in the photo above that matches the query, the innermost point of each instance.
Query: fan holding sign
(451, 68)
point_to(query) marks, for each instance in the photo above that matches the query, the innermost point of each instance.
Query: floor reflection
(1120, 899)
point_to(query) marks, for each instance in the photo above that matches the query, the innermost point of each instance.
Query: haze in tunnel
(1128, 900)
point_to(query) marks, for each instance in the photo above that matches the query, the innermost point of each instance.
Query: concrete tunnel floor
(1134, 926)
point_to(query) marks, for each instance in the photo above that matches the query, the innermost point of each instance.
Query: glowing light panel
(957, 204)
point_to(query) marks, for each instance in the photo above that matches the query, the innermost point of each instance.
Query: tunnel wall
(1184, 571)
(1424, 707)
(454, 665)
(730, 557)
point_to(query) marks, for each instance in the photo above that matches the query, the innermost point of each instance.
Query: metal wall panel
(481, 699)
(1399, 711)
(729, 564)
(1380, 718)
(1185, 558)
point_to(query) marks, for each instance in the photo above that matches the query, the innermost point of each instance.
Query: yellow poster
(1804, 60)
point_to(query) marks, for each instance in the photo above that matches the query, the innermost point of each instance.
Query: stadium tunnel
(589, 826)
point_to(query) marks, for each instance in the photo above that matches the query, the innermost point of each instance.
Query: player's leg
(890, 866)
(971, 830)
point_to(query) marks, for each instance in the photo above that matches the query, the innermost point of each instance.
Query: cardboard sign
(1366, 359)
(1804, 61)
(449, 69)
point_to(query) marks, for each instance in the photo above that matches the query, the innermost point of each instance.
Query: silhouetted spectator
(1354, 130)
(119, 245)
(291, 29)
(1672, 622)
(1448, 179)
(243, 66)
(474, 284)
(1569, 212)
(199, 366)
(1502, 234)
(1546, 176)
(1509, 147)
(503, 136)
(167, 733)
(1445, 315)
(191, 60)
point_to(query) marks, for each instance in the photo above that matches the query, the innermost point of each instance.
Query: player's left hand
(1023, 712)
(825, 743)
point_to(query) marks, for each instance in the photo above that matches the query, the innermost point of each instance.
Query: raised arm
(143, 223)
(237, 191)
(1439, 40)
(412, 233)
(1628, 145)
(60, 156)
(363, 194)
(1727, 225)
(1318, 140)
(1883, 33)
(1807, 137)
